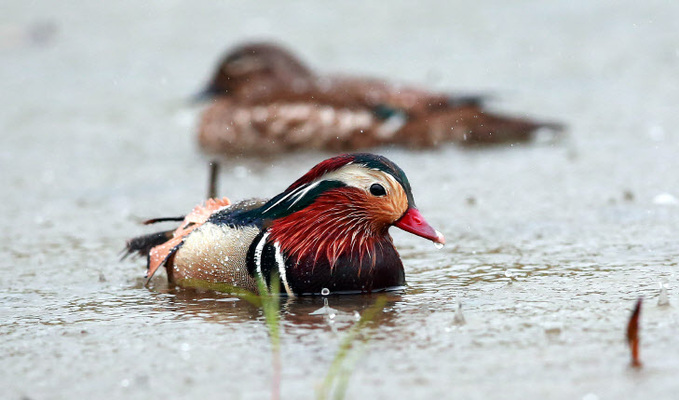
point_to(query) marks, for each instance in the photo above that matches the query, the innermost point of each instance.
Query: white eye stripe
(361, 176)
(354, 175)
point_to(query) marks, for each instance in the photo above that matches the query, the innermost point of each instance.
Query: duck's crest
(331, 164)
(366, 159)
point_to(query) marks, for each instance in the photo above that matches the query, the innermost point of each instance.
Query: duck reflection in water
(318, 312)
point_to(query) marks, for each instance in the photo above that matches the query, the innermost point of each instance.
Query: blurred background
(549, 244)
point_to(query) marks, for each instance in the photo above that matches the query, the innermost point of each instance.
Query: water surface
(549, 245)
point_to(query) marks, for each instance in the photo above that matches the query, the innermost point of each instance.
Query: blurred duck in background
(266, 101)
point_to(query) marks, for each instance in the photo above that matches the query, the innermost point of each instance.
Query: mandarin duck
(326, 233)
(266, 101)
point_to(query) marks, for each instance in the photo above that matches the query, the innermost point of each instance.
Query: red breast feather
(336, 224)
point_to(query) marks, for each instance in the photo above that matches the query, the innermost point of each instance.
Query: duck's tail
(159, 247)
(142, 245)
(468, 99)
(472, 126)
(505, 129)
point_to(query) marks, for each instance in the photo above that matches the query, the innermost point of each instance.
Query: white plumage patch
(307, 119)
(280, 261)
(391, 126)
(300, 195)
(258, 254)
(284, 198)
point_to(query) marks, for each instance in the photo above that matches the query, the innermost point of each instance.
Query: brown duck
(265, 100)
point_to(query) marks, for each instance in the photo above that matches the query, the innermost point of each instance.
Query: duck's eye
(377, 190)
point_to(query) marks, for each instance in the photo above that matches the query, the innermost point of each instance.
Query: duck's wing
(371, 92)
(231, 127)
(349, 92)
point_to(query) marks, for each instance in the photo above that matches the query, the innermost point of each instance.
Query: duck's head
(259, 65)
(343, 204)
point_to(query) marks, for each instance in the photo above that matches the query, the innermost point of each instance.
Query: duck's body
(231, 127)
(328, 230)
(267, 101)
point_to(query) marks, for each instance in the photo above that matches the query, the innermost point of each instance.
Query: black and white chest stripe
(264, 258)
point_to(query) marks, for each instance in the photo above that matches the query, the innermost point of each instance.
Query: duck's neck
(332, 244)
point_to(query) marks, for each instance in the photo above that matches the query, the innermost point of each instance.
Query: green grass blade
(341, 367)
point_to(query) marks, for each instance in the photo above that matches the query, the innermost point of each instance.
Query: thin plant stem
(269, 301)
(342, 365)
(633, 334)
(271, 308)
(212, 180)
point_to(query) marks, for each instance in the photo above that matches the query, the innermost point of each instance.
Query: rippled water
(549, 245)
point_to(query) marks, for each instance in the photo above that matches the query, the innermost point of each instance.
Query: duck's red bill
(412, 221)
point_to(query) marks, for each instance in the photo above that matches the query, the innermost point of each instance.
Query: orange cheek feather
(384, 211)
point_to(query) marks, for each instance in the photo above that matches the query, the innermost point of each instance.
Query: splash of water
(663, 297)
(459, 317)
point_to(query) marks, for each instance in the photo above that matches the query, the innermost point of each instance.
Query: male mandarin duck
(265, 100)
(328, 230)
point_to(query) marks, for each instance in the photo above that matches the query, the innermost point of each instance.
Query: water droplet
(226, 258)
(552, 330)
(665, 199)
(459, 317)
(325, 292)
(663, 297)
(241, 172)
(656, 133)
(125, 383)
(509, 274)
(325, 310)
(438, 245)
